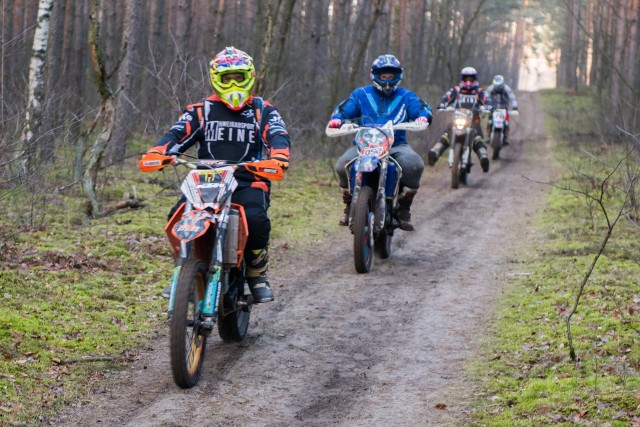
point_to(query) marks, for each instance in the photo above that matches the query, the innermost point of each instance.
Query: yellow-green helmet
(235, 94)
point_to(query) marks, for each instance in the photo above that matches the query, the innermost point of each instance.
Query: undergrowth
(526, 373)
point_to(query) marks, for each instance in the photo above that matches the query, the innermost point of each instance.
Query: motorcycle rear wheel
(382, 245)
(233, 325)
(456, 168)
(363, 230)
(187, 342)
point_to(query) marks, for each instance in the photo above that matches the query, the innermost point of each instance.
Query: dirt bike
(461, 144)
(499, 120)
(374, 180)
(207, 234)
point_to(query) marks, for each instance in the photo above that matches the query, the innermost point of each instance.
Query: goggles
(238, 78)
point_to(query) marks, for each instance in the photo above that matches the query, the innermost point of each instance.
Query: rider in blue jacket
(378, 103)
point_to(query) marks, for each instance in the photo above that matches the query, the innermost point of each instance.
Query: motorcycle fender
(192, 225)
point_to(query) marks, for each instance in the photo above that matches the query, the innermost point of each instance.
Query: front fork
(466, 149)
(380, 206)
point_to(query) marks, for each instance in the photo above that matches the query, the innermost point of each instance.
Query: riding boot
(257, 261)
(505, 132)
(402, 210)
(346, 198)
(481, 151)
(484, 159)
(437, 150)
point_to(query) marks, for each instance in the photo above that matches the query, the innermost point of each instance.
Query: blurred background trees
(309, 56)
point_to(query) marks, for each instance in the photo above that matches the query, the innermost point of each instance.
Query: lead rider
(376, 104)
(234, 125)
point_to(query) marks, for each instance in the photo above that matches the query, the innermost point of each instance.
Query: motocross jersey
(503, 98)
(466, 99)
(220, 133)
(369, 106)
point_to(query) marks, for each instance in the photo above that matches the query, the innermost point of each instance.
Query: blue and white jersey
(369, 106)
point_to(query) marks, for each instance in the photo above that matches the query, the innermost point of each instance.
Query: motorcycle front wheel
(456, 169)
(363, 215)
(233, 321)
(496, 144)
(186, 339)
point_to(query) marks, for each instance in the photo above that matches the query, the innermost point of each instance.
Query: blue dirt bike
(374, 180)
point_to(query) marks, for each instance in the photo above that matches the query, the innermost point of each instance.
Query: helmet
(469, 78)
(386, 64)
(234, 93)
(498, 83)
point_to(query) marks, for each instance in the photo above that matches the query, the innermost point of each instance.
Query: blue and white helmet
(498, 83)
(386, 64)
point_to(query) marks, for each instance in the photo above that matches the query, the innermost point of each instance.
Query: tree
(128, 76)
(105, 119)
(27, 152)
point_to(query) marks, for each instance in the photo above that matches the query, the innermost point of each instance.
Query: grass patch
(526, 372)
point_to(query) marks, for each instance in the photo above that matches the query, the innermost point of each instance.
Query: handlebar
(483, 110)
(351, 128)
(268, 168)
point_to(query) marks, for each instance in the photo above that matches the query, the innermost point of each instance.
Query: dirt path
(346, 349)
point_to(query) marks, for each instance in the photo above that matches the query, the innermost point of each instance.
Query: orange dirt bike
(374, 181)
(207, 234)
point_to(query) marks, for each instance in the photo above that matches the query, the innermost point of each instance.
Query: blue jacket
(369, 106)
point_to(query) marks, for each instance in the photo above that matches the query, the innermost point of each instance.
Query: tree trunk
(127, 78)
(106, 118)
(26, 153)
(364, 43)
(265, 53)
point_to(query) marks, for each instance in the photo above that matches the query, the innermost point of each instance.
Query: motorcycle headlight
(460, 122)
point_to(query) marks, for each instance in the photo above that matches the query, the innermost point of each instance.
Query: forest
(513, 302)
(81, 80)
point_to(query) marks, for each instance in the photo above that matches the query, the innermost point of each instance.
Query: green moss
(532, 380)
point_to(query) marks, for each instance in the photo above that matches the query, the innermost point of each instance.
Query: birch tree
(26, 154)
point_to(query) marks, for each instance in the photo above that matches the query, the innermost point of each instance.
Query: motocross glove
(158, 149)
(334, 123)
(281, 158)
(515, 108)
(422, 119)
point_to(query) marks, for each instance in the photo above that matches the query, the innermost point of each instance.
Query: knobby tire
(496, 144)
(233, 325)
(362, 223)
(455, 167)
(186, 341)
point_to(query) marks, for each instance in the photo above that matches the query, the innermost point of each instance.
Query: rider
(468, 95)
(232, 124)
(376, 104)
(502, 97)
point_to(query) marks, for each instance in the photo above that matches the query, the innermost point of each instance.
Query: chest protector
(467, 100)
(231, 135)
